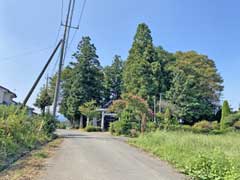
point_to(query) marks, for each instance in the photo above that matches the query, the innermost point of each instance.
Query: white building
(6, 96)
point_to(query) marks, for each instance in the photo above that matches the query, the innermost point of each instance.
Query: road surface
(99, 156)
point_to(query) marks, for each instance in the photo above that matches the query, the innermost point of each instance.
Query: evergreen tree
(85, 82)
(137, 74)
(113, 79)
(225, 112)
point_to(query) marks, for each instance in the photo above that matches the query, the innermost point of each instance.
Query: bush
(151, 127)
(123, 127)
(231, 119)
(20, 132)
(215, 125)
(237, 125)
(49, 123)
(203, 126)
(61, 125)
(92, 129)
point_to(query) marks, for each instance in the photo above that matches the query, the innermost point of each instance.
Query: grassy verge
(200, 156)
(30, 167)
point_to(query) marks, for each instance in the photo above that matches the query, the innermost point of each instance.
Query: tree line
(188, 81)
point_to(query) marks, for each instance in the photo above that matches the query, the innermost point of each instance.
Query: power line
(68, 34)
(57, 90)
(62, 12)
(79, 21)
(27, 53)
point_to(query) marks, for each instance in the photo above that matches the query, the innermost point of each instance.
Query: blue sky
(29, 30)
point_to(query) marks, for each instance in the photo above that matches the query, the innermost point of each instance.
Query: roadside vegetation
(20, 133)
(198, 155)
(169, 101)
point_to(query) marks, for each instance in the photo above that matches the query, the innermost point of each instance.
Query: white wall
(1, 95)
(5, 97)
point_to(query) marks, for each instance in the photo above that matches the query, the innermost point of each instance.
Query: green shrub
(237, 125)
(92, 129)
(202, 126)
(231, 119)
(121, 127)
(215, 125)
(49, 125)
(61, 125)
(20, 132)
(151, 127)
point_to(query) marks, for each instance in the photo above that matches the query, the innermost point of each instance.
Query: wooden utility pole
(66, 32)
(41, 74)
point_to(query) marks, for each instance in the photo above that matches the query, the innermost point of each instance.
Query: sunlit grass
(201, 156)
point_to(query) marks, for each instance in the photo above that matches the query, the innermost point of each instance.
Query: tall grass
(19, 133)
(200, 156)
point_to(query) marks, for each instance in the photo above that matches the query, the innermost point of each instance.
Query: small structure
(105, 113)
(6, 96)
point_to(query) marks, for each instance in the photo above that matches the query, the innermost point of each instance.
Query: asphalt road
(99, 156)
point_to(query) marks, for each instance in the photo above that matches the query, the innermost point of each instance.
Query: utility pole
(66, 31)
(41, 74)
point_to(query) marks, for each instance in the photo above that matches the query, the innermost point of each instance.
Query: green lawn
(198, 155)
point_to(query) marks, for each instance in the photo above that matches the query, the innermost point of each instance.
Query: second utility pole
(57, 89)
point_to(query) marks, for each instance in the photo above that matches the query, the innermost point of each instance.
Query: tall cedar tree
(196, 86)
(137, 73)
(85, 82)
(113, 79)
(225, 112)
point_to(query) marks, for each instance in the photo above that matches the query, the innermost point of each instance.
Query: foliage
(121, 127)
(203, 126)
(61, 125)
(225, 112)
(132, 108)
(231, 119)
(137, 73)
(85, 80)
(89, 109)
(92, 129)
(196, 86)
(44, 99)
(151, 127)
(20, 132)
(49, 123)
(237, 125)
(167, 118)
(113, 79)
(200, 156)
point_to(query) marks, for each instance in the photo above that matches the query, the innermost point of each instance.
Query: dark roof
(1, 87)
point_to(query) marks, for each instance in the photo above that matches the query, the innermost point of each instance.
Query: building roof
(1, 87)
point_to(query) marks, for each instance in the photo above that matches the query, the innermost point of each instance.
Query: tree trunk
(81, 121)
(143, 125)
(88, 121)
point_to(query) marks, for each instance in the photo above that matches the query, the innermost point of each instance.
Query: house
(6, 96)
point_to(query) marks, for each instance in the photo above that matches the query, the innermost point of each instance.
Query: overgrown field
(205, 157)
(19, 133)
